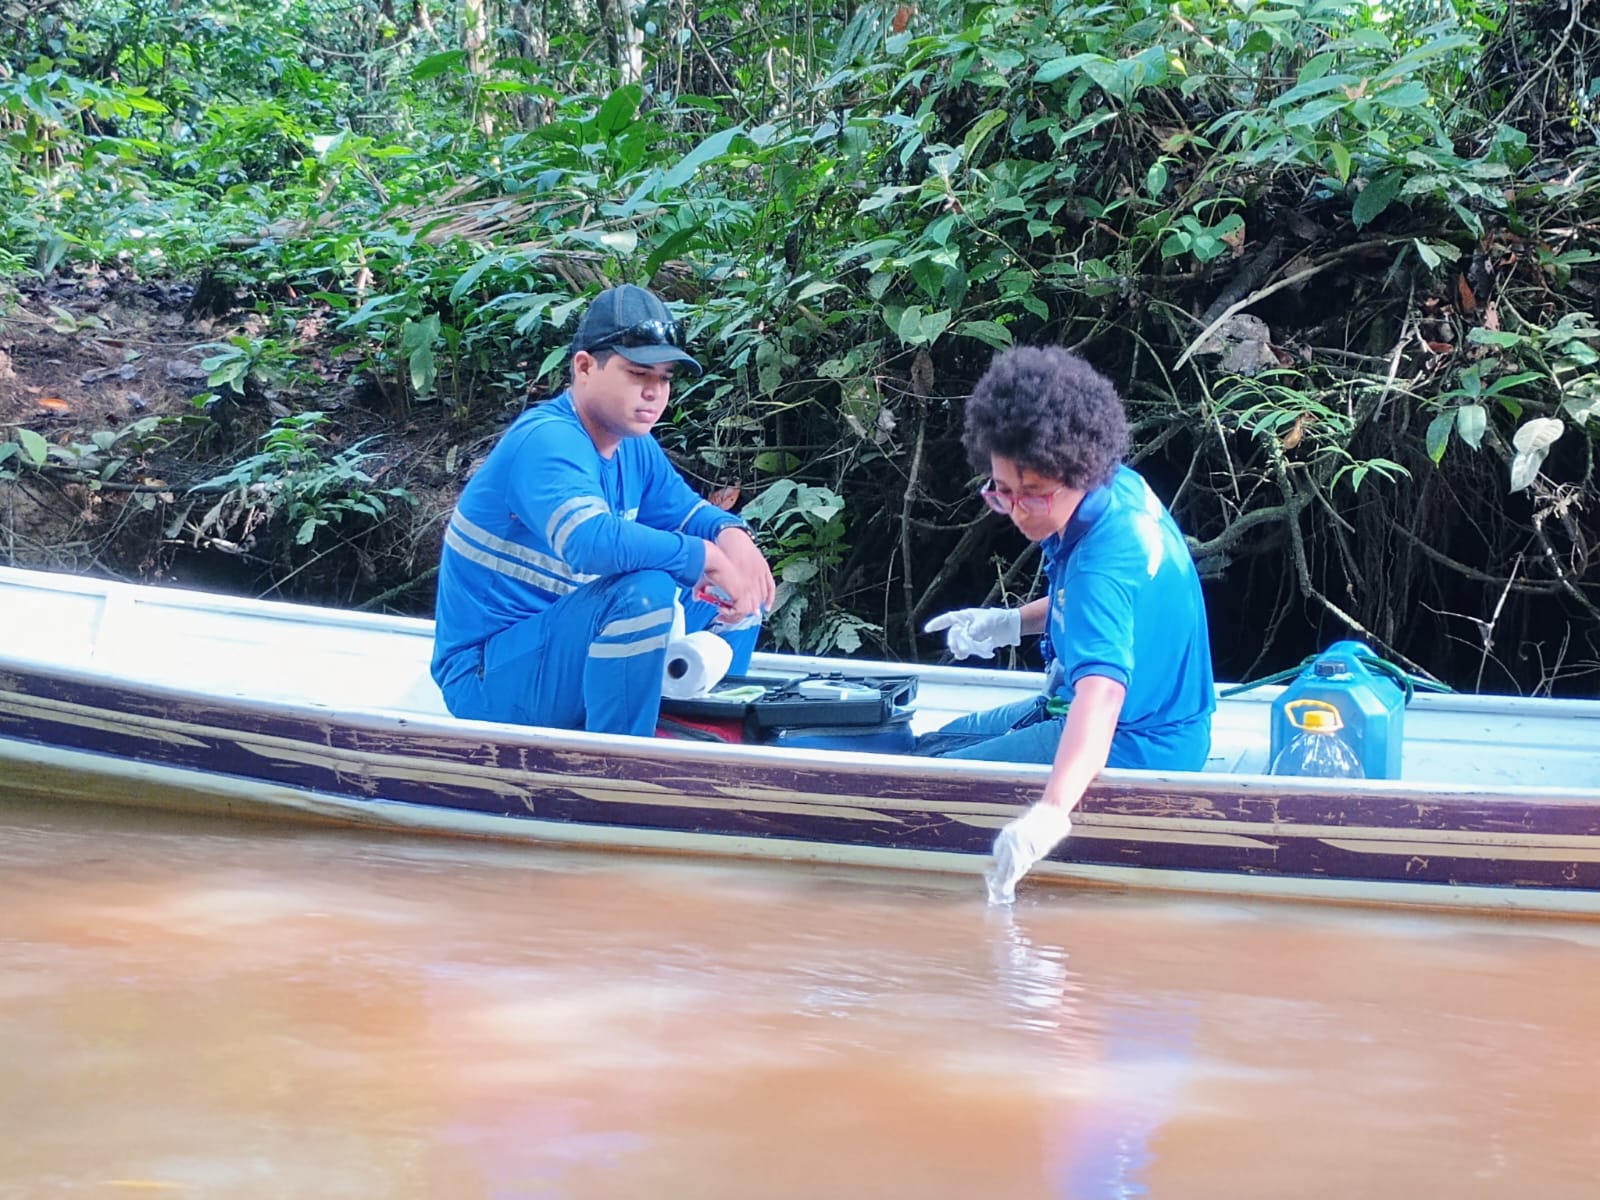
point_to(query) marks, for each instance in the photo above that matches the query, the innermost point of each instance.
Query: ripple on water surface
(215, 1009)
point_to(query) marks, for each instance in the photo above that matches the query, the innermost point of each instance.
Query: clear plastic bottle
(1318, 749)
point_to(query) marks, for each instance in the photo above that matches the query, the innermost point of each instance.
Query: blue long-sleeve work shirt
(547, 514)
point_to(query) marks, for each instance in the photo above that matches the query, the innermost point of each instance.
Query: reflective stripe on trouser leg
(622, 670)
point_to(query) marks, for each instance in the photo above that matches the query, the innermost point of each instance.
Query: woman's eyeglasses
(1034, 504)
(645, 333)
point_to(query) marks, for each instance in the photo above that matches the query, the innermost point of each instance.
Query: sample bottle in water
(1317, 749)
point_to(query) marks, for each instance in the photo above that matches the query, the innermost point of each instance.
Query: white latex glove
(1022, 843)
(978, 632)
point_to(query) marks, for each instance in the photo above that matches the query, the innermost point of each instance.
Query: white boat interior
(228, 647)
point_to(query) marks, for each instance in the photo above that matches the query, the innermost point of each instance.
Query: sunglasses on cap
(645, 333)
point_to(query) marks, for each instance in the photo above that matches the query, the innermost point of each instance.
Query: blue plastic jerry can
(1371, 707)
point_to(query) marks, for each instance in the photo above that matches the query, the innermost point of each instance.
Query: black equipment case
(788, 708)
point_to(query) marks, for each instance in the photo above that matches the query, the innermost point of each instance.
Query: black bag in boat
(799, 709)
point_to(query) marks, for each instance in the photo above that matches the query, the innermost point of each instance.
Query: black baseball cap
(634, 323)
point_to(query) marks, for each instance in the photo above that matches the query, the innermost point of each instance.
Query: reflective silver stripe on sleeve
(493, 562)
(649, 620)
(570, 525)
(629, 649)
(565, 507)
(500, 545)
(688, 516)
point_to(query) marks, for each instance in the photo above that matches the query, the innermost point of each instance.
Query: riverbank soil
(111, 381)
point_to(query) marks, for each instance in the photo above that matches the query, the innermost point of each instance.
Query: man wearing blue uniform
(570, 546)
(1131, 682)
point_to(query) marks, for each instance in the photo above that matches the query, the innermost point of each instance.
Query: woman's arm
(1085, 741)
(1035, 614)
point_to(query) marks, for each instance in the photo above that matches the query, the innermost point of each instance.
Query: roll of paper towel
(696, 663)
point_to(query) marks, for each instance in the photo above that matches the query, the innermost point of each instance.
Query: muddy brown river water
(203, 1008)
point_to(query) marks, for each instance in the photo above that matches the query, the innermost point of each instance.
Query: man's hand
(978, 631)
(736, 567)
(741, 548)
(1021, 844)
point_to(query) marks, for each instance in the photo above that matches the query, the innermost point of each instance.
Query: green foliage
(801, 527)
(1529, 379)
(295, 480)
(1313, 423)
(25, 448)
(853, 213)
(104, 457)
(247, 366)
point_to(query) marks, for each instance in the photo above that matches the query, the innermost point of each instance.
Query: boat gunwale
(224, 792)
(1196, 784)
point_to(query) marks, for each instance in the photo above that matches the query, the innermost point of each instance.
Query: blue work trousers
(592, 660)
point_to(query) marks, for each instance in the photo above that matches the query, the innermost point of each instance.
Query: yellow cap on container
(1321, 720)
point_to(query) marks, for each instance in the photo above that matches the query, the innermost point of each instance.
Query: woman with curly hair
(1130, 680)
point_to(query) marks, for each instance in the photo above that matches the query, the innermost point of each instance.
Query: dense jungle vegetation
(273, 276)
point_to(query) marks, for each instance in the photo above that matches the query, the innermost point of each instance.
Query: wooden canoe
(160, 697)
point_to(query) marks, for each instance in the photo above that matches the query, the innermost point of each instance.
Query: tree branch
(1316, 268)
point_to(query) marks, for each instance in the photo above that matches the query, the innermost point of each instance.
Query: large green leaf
(33, 446)
(1438, 436)
(917, 327)
(472, 274)
(980, 131)
(1471, 421)
(991, 333)
(438, 64)
(1583, 401)
(713, 147)
(1097, 66)
(1376, 196)
(1532, 443)
(618, 110)
(1407, 63)
(1407, 95)
(674, 244)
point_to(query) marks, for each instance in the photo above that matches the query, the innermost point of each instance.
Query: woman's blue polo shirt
(1125, 603)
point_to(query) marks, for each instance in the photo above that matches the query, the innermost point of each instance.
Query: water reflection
(1122, 1071)
(248, 1011)
(1033, 976)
